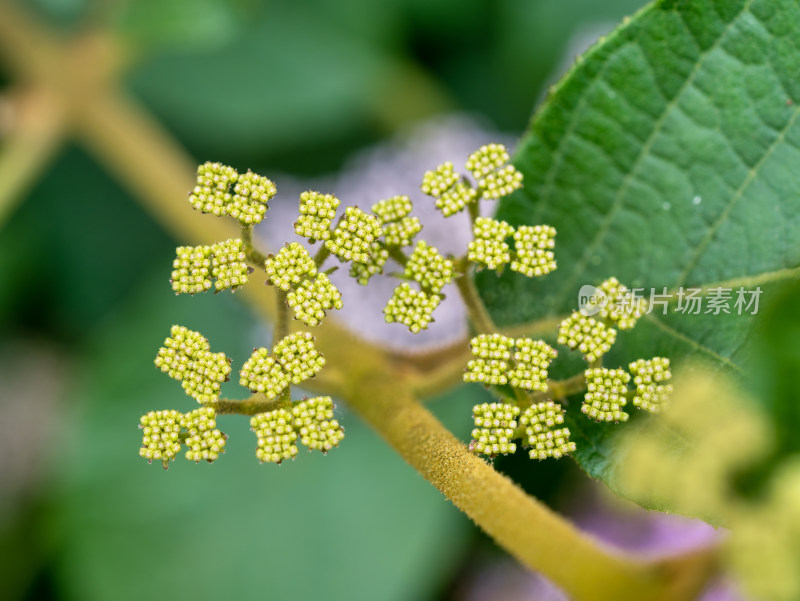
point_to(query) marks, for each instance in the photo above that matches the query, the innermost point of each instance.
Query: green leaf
(667, 157)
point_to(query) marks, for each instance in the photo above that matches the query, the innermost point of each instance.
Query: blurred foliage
(270, 86)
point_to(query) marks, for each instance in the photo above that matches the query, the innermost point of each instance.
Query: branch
(527, 529)
(36, 132)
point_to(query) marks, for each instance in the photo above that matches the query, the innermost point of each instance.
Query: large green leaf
(667, 157)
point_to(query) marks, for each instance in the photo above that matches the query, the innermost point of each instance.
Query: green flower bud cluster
(398, 228)
(429, 268)
(312, 298)
(262, 373)
(494, 179)
(494, 429)
(392, 209)
(605, 394)
(299, 357)
(489, 246)
(488, 166)
(444, 184)
(191, 269)
(316, 215)
(251, 194)
(212, 193)
(622, 308)
(289, 266)
(354, 235)
(533, 246)
(589, 336)
(492, 352)
(532, 359)
(194, 266)
(205, 442)
(378, 256)
(650, 376)
(543, 438)
(160, 435)
(313, 420)
(229, 264)
(186, 357)
(411, 307)
(275, 435)
(493, 367)
(295, 359)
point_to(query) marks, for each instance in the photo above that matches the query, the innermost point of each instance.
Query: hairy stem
(526, 528)
(322, 254)
(253, 254)
(476, 311)
(257, 403)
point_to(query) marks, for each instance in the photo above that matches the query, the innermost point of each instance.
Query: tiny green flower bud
(352, 238)
(289, 266)
(211, 193)
(275, 434)
(650, 376)
(495, 178)
(411, 307)
(191, 269)
(229, 264)
(532, 359)
(451, 194)
(316, 215)
(489, 246)
(298, 356)
(205, 442)
(251, 194)
(313, 421)
(494, 429)
(429, 268)
(542, 436)
(312, 298)
(262, 373)
(623, 308)
(589, 336)
(532, 245)
(605, 394)
(362, 272)
(160, 435)
(392, 209)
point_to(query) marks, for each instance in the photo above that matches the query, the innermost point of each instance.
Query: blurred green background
(275, 87)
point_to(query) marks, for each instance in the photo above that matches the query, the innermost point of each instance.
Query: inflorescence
(194, 267)
(494, 179)
(247, 203)
(294, 359)
(542, 436)
(605, 394)
(368, 241)
(650, 377)
(310, 420)
(186, 357)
